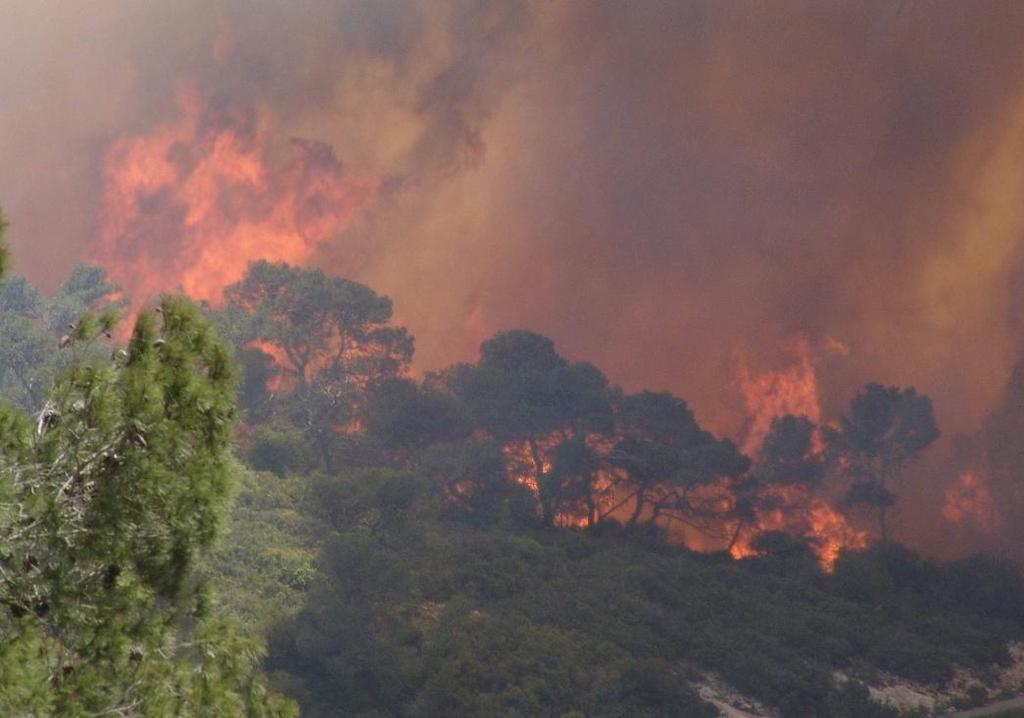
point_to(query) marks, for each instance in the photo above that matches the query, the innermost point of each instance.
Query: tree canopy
(885, 428)
(107, 496)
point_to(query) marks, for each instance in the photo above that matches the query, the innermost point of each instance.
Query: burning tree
(666, 458)
(540, 407)
(587, 453)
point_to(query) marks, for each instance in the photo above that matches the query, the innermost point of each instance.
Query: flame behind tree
(582, 450)
(667, 458)
(315, 324)
(773, 394)
(785, 489)
(320, 341)
(530, 399)
(585, 453)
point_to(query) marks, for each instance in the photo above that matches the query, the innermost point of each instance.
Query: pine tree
(107, 495)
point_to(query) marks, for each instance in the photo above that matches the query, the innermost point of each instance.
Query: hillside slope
(418, 613)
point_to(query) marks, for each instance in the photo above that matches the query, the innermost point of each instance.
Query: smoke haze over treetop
(664, 188)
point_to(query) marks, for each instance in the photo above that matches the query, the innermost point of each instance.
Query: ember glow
(189, 204)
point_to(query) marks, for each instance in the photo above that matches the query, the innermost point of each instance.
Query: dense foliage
(107, 495)
(419, 612)
(34, 327)
(443, 586)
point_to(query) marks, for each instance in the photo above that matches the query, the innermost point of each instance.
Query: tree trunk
(538, 461)
(735, 535)
(640, 497)
(547, 510)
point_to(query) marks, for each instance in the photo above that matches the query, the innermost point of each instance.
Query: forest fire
(555, 358)
(190, 203)
(649, 462)
(793, 509)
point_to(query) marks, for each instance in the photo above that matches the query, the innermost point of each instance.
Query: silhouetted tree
(330, 340)
(571, 484)
(885, 428)
(404, 417)
(318, 323)
(522, 391)
(787, 457)
(474, 481)
(655, 426)
(665, 455)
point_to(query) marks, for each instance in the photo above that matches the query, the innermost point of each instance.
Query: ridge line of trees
(580, 450)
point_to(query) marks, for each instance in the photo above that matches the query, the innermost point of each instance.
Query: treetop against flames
(580, 448)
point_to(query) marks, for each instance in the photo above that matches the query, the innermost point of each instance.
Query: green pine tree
(107, 496)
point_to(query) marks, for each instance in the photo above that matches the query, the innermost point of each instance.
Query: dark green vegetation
(106, 496)
(420, 612)
(402, 546)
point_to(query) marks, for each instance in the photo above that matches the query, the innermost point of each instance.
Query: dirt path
(991, 708)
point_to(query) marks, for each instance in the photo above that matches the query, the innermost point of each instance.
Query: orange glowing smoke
(774, 394)
(969, 500)
(189, 204)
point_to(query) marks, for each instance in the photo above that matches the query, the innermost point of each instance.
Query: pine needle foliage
(107, 496)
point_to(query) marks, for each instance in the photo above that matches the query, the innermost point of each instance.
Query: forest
(255, 508)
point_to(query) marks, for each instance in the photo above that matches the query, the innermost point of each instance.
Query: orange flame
(773, 394)
(801, 513)
(190, 203)
(520, 463)
(279, 381)
(970, 500)
(522, 469)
